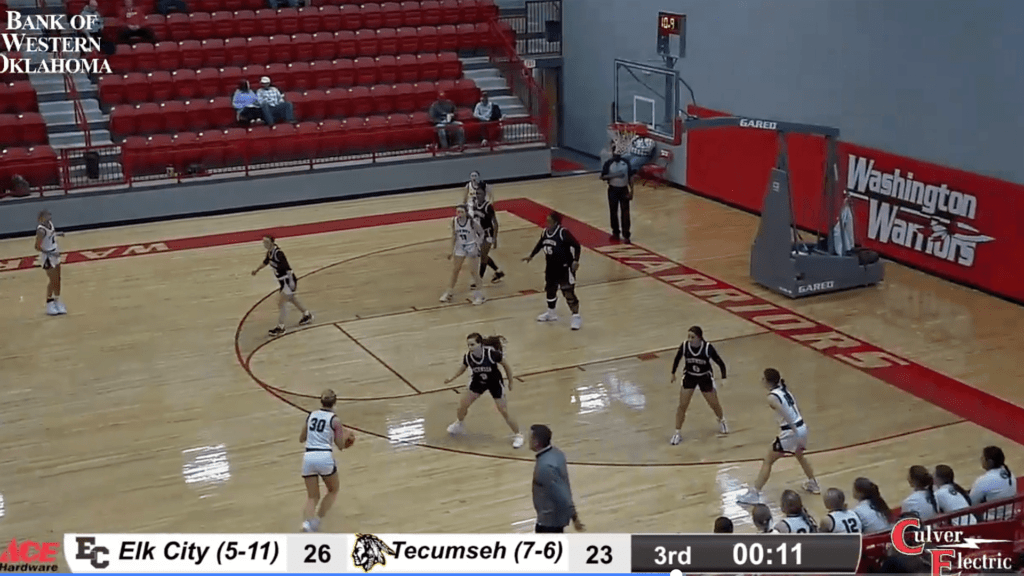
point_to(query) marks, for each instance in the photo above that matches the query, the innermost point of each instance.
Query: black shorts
(705, 383)
(495, 387)
(559, 276)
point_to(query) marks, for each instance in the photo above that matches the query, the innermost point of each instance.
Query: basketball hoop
(622, 134)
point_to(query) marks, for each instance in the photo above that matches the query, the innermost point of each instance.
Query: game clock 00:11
(744, 553)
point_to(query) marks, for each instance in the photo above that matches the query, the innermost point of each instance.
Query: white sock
(677, 430)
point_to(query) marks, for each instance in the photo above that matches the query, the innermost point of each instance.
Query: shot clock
(746, 553)
(671, 36)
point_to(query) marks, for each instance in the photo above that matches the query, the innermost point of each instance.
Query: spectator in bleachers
(874, 513)
(275, 4)
(996, 483)
(761, 515)
(950, 496)
(442, 114)
(132, 29)
(486, 111)
(95, 31)
(922, 500)
(275, 107)
(247, 105)
(723, 525)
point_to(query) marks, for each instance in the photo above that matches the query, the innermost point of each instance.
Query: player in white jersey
(471, 189)
(466, 237)
(796, 519)
(872, 510)
(322, 432)
(951, 497)
(996, 483)
(792, 438)
(839, 519)
(49, 260)
(922, 500)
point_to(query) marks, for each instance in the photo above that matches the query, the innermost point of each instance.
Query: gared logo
(945, 560)
(29, 552)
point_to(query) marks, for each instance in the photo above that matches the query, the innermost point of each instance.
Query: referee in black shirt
(562, 255)
(619, 175)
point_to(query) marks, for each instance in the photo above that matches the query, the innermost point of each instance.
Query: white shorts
(48, 260)
(788, 440)
(288, 284)
(467, 250)
(318, 463)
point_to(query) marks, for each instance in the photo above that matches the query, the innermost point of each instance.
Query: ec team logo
(947, 549)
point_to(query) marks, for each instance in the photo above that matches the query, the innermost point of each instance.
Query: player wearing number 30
(792, 438)
(49, 260)
(321, 433)
(466, 237)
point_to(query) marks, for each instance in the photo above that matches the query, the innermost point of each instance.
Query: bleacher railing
(538, 27)
(120, 165)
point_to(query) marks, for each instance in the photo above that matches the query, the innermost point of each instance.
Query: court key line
(377, 358)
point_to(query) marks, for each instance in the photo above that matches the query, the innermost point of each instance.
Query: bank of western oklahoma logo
(370, 551)
(926, 217)
(947, 557)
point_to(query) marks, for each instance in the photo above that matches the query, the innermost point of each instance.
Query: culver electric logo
(925, 217)
(946, 549)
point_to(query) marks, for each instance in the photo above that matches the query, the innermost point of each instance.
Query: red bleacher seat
(260, 50)
(330, 18)
(351, 18)
(339, 105)
(279, 49)
(425, 94)
(266, 22)
(41, 166)
(278, 72)
(160, 85)
(234, 5)
(236, 50)
(366, 72)
(408, 40)
(376, 133)
(387, 41)
(467, 36)
(235, 151)
(408, 68)
(367, 43)
(122, 120)
(321, 74)
(207, 5)
(214, 54)
(211, 144)
(253, 72)
(231, 24)
(148, 119)
(448, 38)
(208, 82)
(174, 115)
(17, 97)
(430, 67)
(197, 112)
(221, 112)
(186, 151)
(466, 92)
(136, 89)
(450, 11)
(179, 27)
(429, 39)
(307, 139)
(449, 65)
(391, 15)
(186, 85)
(387, 70)
(230, 76)
(431, 11)
(192, 55)
(383, 98)
(469, 11)
(168, 56)
(484, 37)
(344, 73)
(361, 100)
(309, 19)
(121, 60)
(158, 24)
(288, 21)
(300, 75)
(330, 133)
(373, 18)
(302, 44)
(144, 56)
(345, 41)
(412, 15)
(201, 26)
(405, 99)
(258, 144)
(284, 142)
(111, 90)
(324, 46)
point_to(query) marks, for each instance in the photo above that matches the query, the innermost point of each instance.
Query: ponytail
(945, 474)
(995, 456)
(810, 520)
(496, 341)
(869, 490)
(922, 479)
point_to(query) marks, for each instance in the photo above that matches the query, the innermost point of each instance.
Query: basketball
(350, 440)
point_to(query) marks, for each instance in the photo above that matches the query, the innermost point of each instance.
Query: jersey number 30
(317, 425)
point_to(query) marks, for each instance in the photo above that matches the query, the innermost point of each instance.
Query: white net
(620, 138)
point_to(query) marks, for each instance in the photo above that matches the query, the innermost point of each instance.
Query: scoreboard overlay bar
(463, 553)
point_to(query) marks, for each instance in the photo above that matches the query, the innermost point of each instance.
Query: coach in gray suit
(552, 496)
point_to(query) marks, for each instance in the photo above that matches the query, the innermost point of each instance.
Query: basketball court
(158, 404)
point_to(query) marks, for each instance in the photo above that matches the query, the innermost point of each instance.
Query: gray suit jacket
(552, 496)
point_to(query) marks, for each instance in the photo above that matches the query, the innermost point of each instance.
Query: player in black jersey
(483, 211)
(697, 373)
(562, 255)
(483, 359)
(289, 284)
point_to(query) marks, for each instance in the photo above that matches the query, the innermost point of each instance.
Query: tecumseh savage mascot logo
(370, 551)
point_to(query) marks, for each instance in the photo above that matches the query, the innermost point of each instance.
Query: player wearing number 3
(321, 433)
(792, 438)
